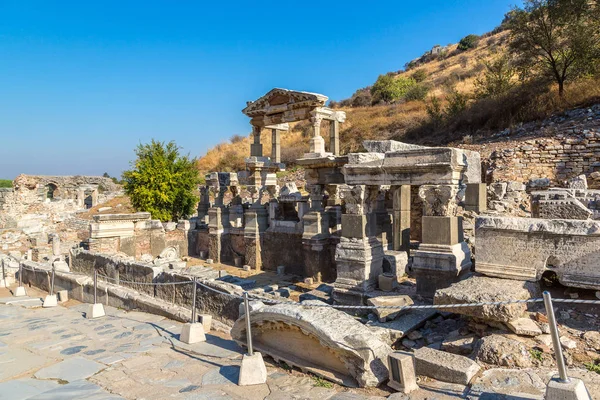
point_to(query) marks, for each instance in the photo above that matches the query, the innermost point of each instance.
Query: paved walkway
(56, 353)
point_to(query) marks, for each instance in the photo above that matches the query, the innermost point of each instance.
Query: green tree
(419, 75)
(434, 110)
(5, 183)
(468, 42)
(162, 181)
(555, 39)
(497, 78)
(388, 88)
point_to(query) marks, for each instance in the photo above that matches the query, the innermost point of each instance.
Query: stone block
(387, 282)
(524, 327)
(573, 390)
(281, 270)
(387, 314)
(63, 295)
(442, 230)
(476, 197)
(253, 305)
(444, 366)
(357, 226)
(253, 370)
(192, 333)
(206, 321)
(50, 301)
(402, 372)
(95, 311)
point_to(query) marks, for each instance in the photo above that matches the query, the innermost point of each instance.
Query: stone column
(359, 255)
(334, 137)
(476, 197)
(256, 149)
(443, 257)
(204, 205)
(401, 216)
(218, 223)
(276, 146)
(317, 143)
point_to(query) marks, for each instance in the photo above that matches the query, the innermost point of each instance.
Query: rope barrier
(337, 306)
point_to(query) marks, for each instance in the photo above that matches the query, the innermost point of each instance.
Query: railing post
(4, 275)
(248, 331)
(95, 286)
(52, 281)
(20, 275)
(194, 301)
(560, 361)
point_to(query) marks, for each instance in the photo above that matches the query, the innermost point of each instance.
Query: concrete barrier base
(192, 333)
(20, 291)
(50, 301)
(573, 390)
(253, 370)
(95, 311)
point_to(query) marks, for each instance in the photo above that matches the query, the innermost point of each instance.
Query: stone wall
(222, 307)
(558, 158)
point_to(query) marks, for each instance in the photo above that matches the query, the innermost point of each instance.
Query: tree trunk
(561, 88)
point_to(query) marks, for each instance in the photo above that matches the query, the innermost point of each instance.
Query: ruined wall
(524, 248)
(558, 158)
(283, 249)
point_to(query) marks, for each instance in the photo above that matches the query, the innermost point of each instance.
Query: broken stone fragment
(502, 351)
(568, 343)
(388, 314)
(480, 289)
(592, 339)
(321, 340)
(459, 344)
(524, 327)
(444, 366)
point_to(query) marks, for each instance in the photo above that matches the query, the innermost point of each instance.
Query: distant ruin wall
(558, 158)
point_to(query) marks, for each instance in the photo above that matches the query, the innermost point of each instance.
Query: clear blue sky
(83, 82)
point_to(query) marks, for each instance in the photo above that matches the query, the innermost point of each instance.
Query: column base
(192, 333)
(253, 370)
(95, 311)
(438, 266)
(20, 291)
(50, 301)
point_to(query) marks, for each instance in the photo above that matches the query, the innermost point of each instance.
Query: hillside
(449, 77)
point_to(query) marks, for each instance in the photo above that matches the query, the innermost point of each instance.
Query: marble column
(401, 200)
(443, 257)
(276, 146)
(256, 149)
(334, 137)
(317, 143)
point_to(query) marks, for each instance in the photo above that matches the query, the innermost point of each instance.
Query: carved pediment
(281, 100)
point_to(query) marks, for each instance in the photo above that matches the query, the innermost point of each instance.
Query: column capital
(441, 200)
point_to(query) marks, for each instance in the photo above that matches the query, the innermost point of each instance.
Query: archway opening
(51, 191)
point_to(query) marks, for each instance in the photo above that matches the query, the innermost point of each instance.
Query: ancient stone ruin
(397, 225)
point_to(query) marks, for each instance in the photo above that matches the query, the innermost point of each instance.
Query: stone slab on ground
(446, 367)
(76, 390)
(72, 369)
(392, 331)
(388, 314)
(512, 383)
(524, 327)
(503, 351)
(22, 389)
(483, 289)
(20, 361)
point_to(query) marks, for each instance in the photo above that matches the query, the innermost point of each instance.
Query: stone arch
(51, 190)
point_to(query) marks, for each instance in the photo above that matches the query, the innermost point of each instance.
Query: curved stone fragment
(321, 340)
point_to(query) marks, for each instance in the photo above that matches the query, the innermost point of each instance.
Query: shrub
(434, 110)
(419, 75)
(468, 42)
(416, 92)
(464, 61)
(162, 181)
(5, 183)
(236, 138)
(457, 103)
(497, 78)
(389, 89)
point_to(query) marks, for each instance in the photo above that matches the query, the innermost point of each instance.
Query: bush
(5, 183)
(457, 103)
(419, 75)
(497, 78)
(162, 181)
(417, 92)
(468, 42)
(434, 110)
(236, 138)
(389, 89)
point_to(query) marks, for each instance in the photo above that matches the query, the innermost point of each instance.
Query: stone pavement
(56, 353)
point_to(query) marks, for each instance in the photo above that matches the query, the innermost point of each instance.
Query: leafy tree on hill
(5, 183)
(496, 79)
(468, 42)
(555, 39)
(389, 89)
(162, 181)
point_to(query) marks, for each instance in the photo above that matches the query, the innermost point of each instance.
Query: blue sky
(83, 82)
